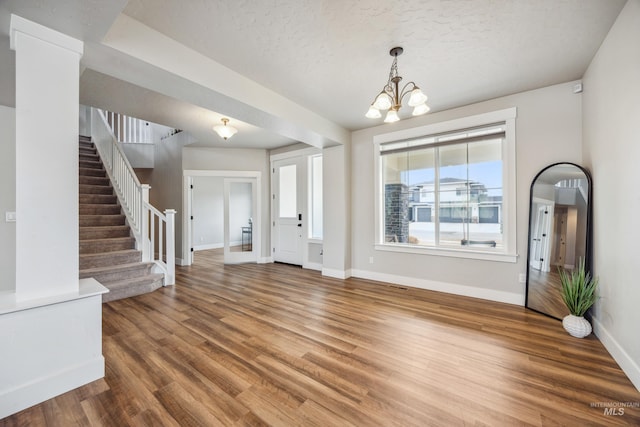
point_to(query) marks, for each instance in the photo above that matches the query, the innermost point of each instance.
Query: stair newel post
(144, 223)
(171, 248)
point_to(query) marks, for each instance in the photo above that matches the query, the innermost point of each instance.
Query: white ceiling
(327, 56)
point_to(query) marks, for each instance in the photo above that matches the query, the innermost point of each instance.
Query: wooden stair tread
(132, 287)
(134, 280)
(104, 227)
(99, 254)
(119, 268)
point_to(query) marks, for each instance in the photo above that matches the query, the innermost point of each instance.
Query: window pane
(287, 192)
(463, 209)
(485, 174)
(408, 183)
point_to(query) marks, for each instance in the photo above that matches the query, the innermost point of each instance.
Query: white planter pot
(577, 326)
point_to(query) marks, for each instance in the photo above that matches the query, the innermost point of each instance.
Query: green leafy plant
(578, 289)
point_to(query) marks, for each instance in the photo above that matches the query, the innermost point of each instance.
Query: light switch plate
(10, 216)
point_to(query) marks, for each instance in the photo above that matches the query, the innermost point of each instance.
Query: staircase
(107, 248)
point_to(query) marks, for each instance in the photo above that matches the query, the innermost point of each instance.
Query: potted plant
(579, 294)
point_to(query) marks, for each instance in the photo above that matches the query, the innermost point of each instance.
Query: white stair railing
(153, 230)
(128, 130)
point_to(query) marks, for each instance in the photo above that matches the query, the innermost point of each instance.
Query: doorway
(222, 210)
(289, 213)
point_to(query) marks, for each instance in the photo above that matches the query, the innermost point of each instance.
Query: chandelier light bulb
(420, 109)
(382, 102)
(373, 113)
(417, 97)
(392, 116)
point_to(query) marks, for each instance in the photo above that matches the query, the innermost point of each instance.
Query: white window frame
(508, 252)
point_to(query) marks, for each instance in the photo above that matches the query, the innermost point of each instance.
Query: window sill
(453, 253)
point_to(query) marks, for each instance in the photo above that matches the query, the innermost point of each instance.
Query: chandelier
(225, 131)
(390, 98)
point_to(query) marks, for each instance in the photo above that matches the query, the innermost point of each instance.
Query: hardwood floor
(277, 345)
(545, 293)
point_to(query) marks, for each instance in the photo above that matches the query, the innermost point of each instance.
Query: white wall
(166, 179)
(548, 130)
(208, 212)
(7, 197)
(232, 159)
(611, 129)
(337, 207)
(139, 155)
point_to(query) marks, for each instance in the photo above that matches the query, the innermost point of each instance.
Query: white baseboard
(312, 266)
(265, 260)
(180, 262)
(39, 390)
(626, 362)
(208, 246)
(336, 274)
(450, 288)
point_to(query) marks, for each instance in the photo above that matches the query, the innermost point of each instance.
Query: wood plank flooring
(253, 345)
(545, 293)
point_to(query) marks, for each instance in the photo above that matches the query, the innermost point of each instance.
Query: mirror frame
(588, 253)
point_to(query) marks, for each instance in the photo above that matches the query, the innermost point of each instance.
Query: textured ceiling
(328, 56)
(332, 56)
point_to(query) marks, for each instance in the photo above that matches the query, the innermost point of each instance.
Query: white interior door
(289, 223)
(241, 231)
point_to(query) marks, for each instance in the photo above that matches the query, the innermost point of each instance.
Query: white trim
(450, 288)
(312, 266)
(315, 241)
(448, 126)
(208, 246)
(303, 152)
(45, 388)
(45, 34)
(215, 245)
(187, 181)
(454, 253)
(221, 173)
(180, 262)
(336, 274)
(626, 362)
(265, 260)
(87, 288)
(509, 251)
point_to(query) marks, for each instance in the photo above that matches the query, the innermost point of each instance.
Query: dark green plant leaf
(578, 289)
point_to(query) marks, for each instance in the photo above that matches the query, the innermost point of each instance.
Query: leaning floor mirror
(559, 230)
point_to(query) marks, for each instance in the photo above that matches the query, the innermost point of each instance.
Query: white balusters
(128, 130)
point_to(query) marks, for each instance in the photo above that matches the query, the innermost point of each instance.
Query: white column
(336, 212)
(47, 94)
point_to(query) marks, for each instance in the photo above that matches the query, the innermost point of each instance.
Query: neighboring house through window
(449, 188)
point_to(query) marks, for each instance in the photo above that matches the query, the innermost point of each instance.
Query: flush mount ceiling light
(390, 98)
(225, 131)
